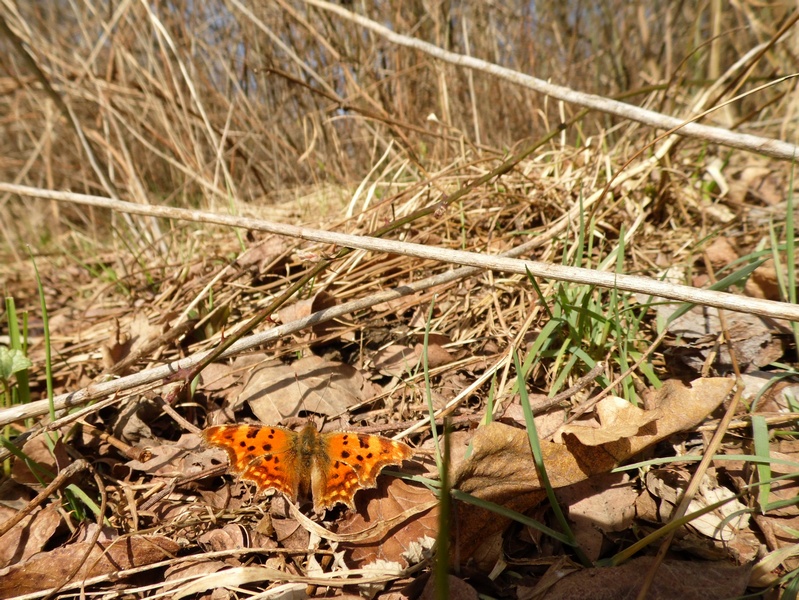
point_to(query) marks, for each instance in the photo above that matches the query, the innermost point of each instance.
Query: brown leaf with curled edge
(49, 569)
(673, 579)
(402, 542)
(618, 419)
(683, 407)
(501, 468)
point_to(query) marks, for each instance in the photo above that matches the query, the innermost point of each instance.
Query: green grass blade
(48, 359)
(18, 342)
(760, 435)
(538, 458)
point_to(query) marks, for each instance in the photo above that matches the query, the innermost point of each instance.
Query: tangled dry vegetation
(598, 435)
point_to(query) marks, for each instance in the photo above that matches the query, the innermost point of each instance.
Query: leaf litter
(160, 487)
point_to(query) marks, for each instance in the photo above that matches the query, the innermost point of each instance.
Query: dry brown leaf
(276, 391)
(785, 489)
(721, 252)
(600, 504)
(36, 449)
(290, 534)
(646, 508)
(769, 569)
(560, 568)
(674, 580)
(501, 468)
(768, 391)
(756, 340)
(551, 420)
(228, 537)
(304, 308)
(763, 282)
(142, 332)
(48, 569)
(396, 360)
(722, 524)
(683, 406)
(401, 544)
(221, 377)
(756, 183)
(784, 558)
(117, 349)
(261, 255)
(174, 459)
(459, 445)
(433, 338)
(437, 355)
(28, 536)
(458, 590)
(132, 423)
(399, 360)
(618, 419)
(129, 339)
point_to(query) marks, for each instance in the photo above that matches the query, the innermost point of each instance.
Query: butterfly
(333, 466)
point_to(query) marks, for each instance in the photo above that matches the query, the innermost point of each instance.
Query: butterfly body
(332, 466)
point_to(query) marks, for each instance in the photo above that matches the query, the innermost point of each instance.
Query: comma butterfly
(333, 466)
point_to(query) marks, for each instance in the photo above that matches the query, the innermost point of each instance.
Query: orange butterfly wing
(266, 456)
(351, 461)
(335, 465)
